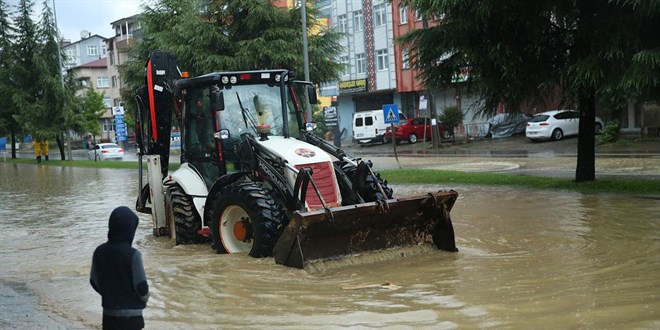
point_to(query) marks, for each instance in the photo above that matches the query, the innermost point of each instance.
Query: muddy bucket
(322, 235)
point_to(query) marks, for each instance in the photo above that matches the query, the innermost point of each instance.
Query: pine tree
(24, 73)
(50, 116)
(7, 122)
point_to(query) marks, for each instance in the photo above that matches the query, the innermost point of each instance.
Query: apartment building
(126, 32)
(95, 75)
(88, 49)
(369, 78)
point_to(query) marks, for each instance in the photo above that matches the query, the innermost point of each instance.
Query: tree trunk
(60, 146)
(586, 151)
(13, 143)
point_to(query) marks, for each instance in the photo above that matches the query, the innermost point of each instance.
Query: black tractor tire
(370, 193)
(183, 220)
(557, 134)
(254, 212)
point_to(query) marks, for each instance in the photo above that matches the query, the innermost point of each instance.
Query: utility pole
(303, 13)
(435, 134)
(67, 139)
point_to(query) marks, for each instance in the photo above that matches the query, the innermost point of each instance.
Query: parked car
(412, 130)
(369, 126)
(556, 124)
(103, 151)
(507, 124)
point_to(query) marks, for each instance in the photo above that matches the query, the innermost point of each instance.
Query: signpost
(120, 125)
(391, 115)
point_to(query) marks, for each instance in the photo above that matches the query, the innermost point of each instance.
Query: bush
(451, 117)
(610, 132)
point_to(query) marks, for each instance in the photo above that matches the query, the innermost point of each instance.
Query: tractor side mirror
(311, 94)
(223, 134)
(217, 100)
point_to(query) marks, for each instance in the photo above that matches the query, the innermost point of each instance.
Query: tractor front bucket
(344, 231)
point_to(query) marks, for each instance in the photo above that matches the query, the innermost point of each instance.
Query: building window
(382, 59)
(403, 13)
(418, 15)
(103, 50)
(358, 21)
(107, 102)
(405, 58)
(102, 82)
(380, 15)
(341, 23)
(111, 56)
(108, 125)
(346, 68)
(114, 81)
(361, 63)
(92, 50)
(71, 58)
(84, 83)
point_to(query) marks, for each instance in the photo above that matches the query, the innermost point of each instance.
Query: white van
(369, 126)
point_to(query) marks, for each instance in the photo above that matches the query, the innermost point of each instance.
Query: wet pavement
(57, 296)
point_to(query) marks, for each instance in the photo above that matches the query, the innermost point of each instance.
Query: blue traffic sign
(391, 113)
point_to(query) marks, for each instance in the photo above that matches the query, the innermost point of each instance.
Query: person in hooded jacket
(118, 274)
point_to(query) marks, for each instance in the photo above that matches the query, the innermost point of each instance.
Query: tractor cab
(218, 108)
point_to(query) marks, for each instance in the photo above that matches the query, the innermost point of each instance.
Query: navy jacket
(117, 270)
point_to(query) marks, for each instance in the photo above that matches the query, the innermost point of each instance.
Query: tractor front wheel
(246, 219)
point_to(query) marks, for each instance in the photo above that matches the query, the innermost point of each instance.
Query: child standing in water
(118, 274)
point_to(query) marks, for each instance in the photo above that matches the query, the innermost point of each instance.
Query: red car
(412, 130)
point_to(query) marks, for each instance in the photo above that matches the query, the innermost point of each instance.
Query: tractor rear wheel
(182, 219)
(246, 218)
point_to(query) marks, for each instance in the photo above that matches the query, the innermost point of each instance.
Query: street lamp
(59, 56)
(303, 13)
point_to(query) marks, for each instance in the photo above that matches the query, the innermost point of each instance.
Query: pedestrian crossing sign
(391, 113)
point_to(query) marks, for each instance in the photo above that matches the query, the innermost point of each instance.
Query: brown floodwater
(528, 259)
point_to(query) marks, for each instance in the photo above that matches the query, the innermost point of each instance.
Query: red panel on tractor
(323, 175)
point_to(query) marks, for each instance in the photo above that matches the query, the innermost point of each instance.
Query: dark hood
(122, 225)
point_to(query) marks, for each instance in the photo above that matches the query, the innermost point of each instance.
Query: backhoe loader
(254, 179)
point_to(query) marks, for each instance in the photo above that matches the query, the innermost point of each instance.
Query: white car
(103, 151)
(556, 124)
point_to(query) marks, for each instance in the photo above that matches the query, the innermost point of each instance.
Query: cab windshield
(250, 106)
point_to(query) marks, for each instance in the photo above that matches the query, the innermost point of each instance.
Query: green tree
(518, 50)
(8, 123)
(92, 108)
(49, 115)
(24, 73)
(230, 35)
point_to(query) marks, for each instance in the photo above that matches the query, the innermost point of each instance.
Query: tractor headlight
(232, 79)
(225, 79)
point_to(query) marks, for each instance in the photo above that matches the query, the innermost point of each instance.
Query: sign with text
(353, 86)
(330, 116)
(118, 111)
(120, 125)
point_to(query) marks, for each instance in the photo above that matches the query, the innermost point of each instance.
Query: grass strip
(603, 185)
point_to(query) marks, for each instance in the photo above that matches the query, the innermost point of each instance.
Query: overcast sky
(95, 16)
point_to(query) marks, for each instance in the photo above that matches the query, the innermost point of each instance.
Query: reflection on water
(527, 259)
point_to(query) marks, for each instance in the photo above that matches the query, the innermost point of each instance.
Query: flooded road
(528, 259)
